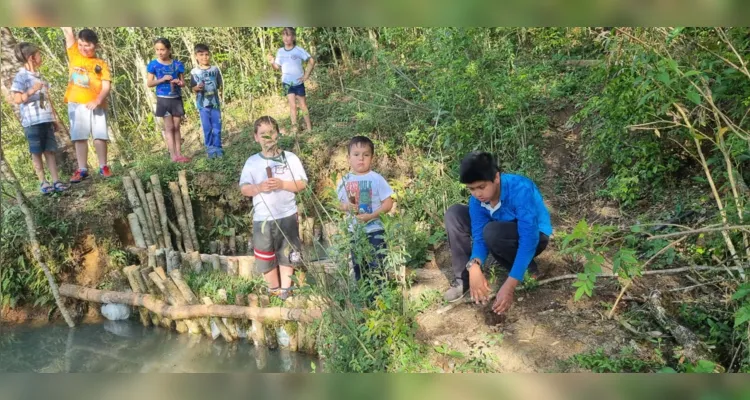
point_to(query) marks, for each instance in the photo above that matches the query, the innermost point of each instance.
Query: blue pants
(211, 122)
(377, 242)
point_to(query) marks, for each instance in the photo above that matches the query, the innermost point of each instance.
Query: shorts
(298, 90)
(274, 241)
(85, 122)
(169, 106)
(41, 137)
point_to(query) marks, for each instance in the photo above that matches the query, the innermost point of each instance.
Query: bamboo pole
(163, 219)
(180, 326)
(258, 331)
(213, 247)
(241, 245)
(135, 229)
(228, 322)
(215, 262)
(190, 297)
(130, 273)
(233, 266)
(194, 326)
(161, 258)
(246, 266)
(181, 219)
(144, 204)
(272, 341)
(217, 321)
(155, 221)
(143, 219)
(182, 178)
(177, 235)
(232, 242)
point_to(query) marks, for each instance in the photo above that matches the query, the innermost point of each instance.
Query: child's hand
(271, 59)
(38, 85)
(93, 104)
(365, 217)
(177, 82)
(200, 85)
(166, 78)
(265, 187)
(275, 183)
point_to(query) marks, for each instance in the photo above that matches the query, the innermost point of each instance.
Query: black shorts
(274, 241)
(169, 106)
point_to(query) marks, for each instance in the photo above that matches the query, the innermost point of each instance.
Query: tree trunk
(31, 228)
(163, 219)
(181, 220)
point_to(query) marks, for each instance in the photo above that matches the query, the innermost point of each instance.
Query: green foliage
(208, 284)
(625, 361)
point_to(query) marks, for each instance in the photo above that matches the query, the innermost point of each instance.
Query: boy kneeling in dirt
(506, 216)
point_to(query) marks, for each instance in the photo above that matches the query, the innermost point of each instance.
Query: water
(127, 346)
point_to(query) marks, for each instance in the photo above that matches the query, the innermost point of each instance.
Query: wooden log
(150, 288)
(159, 281)
(247, 266)
(144, 204)
(263, 314)
(213, 247)
(195, 262)
(163, 219)
(135, 229)
(241, 245)
(130, 274)
(233, 267)
(151, 257)
(193, 325)
(215, 262)
(177, 234)
(171, 260)
(258, 330)
(292, 328)
(693, 348)
(132, 194)
(144, 225)
(181, 219)
(161, 258)
(272, 341)
(182, 178)
(222, 247)
(302, 328)
(155, 220)
(232, 243)
(217, 321)
(228, 322)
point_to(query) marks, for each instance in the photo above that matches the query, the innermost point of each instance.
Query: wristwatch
(472, 262)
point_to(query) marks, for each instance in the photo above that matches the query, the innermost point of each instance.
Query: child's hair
(25, 50)
(265, 120)
(89, 36)
(478, 166)
(201, 48)
(361, 140)
(291, 32)
(165, 42)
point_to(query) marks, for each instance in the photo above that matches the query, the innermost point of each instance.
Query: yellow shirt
(84, 84)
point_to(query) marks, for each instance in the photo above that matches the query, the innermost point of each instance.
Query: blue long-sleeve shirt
(520, 201)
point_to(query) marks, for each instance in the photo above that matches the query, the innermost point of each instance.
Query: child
(506, 216)
(206, 82)
(271, 178)
(289, 59)
(166, 74)
(31, 92)
(367, 194)
(88, 88)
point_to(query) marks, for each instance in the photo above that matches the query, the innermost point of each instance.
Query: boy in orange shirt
(88, 87)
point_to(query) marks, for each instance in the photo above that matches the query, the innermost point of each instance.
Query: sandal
(45, 190)
(60, 187)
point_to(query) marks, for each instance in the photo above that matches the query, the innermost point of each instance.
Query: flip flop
(45, 190)
(60, 187)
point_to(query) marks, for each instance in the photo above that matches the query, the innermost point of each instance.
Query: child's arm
(252, 190)
(272, 60)
(70, 37)
(22, 97)
(106, 86)
(290, 186)
(308, 69)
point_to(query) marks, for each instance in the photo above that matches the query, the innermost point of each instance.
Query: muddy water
(126, 346)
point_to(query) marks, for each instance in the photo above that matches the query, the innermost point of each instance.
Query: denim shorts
(41, 137)
(298, 90)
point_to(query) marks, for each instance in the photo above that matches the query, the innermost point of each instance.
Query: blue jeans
(211, 122)
(377, 242)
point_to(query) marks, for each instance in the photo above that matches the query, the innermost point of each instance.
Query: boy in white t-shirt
(367, 195)
(271, 178)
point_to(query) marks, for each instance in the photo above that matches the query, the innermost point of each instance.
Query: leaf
(666, 370)
(657, 133)
(663, 76)
(691, 73)
(693, 96)
(741, 292)
(636, 228)
(579, 293)
(742, 316)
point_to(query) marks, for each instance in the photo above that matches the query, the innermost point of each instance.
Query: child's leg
(36, 159)
(101, 151)
(51, 165)
(169, 134)
(286, 233)
(286, 273)
(265, 256)
(216, 130)
(292, 109)
(100, 134)
(272, 277)
(177, 138)
(82, 153)
(205, 114)
(305, 112)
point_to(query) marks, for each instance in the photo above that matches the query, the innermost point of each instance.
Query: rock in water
(115, 312)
